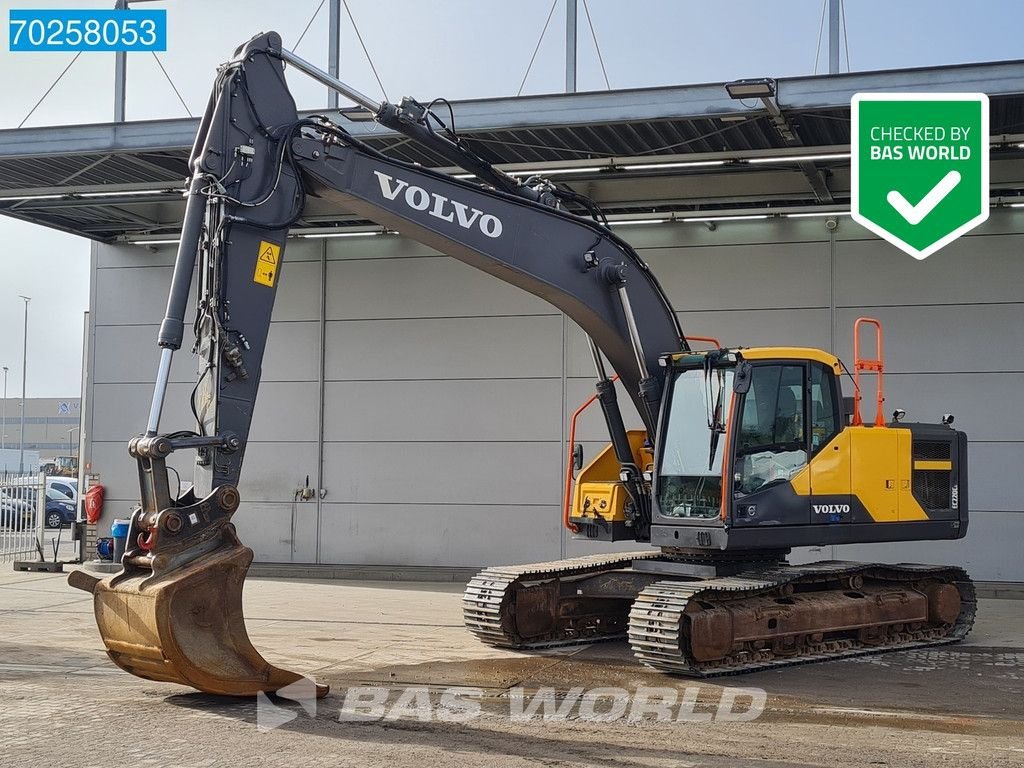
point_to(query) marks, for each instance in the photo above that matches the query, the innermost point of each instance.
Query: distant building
(12, 462)
(48, 421)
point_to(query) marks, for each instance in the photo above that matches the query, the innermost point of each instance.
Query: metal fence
(22, 513)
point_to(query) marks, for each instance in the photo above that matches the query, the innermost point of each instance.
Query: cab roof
(773, 353)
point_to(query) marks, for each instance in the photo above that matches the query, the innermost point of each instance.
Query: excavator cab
(757, 450)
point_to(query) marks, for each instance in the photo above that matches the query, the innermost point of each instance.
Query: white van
(65, 486)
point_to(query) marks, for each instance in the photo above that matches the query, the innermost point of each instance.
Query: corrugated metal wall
(445, 392)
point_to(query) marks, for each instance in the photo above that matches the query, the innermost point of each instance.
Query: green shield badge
(919, 164)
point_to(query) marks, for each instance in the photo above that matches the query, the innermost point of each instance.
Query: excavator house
(744, 453)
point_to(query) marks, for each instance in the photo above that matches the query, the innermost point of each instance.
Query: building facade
(427, 402)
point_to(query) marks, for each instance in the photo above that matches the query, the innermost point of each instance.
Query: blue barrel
(119, 530)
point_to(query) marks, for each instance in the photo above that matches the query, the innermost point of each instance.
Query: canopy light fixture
(611, 166)
(356, 114)
(668, 218)
(743, 217)
(755, 88)
(556, 171)
(625, 222)
(799, 158)
(660, 166)
(671, 165)
(74, 195)
(326, 235)
(128, 193)
(811, 214)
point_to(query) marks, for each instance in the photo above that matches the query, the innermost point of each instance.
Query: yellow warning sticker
(266, 264)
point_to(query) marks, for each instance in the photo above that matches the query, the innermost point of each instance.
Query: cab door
(829, 450)
(771, 446)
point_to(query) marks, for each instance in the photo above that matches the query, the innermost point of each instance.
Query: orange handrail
(706, 339)
(567, 500)
(874, 365)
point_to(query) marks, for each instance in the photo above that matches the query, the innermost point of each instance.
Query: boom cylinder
(650, 389)
(610, 408)
(172, 329)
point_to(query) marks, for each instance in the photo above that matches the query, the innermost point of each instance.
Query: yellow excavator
(744, 453)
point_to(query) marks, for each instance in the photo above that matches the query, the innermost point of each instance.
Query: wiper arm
(717, 428)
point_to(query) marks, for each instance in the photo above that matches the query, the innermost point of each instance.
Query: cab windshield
(690, 478)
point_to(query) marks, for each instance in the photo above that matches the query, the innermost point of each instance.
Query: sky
(425, 48)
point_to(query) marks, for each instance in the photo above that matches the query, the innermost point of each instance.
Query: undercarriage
(694, 615)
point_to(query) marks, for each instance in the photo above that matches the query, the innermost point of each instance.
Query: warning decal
(266, 264)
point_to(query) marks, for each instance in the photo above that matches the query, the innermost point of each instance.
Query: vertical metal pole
(833, 36)
(24, 406)
(334, 49)
(322, 411)
(570, 46)
(3, 429)
(84, 403)
(120, 73)
(41, 513)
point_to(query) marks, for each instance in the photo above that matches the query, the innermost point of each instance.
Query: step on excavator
(744, 453)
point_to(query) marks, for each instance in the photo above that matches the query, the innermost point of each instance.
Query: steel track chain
(489, 597)
(656, 626)
(654, 630)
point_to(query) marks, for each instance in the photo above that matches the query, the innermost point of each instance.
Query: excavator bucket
(174, 613)
(186, 627)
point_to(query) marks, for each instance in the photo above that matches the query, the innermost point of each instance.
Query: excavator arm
(174, 611)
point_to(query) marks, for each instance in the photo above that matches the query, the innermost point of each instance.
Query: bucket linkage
(174, 611)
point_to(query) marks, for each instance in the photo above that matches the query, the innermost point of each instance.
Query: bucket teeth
(82, 580)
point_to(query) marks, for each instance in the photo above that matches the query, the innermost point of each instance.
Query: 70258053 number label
(69, 29)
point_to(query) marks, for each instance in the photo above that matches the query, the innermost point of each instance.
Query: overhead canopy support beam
(814, 176)
(570, 46)
(333, 49)
(834, 7)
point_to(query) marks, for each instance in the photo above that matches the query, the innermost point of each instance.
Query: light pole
(3, 429)
(24, 361)
(71, 451)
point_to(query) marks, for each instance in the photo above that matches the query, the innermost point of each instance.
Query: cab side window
(824, 406)
(773, 409)
(772, 442)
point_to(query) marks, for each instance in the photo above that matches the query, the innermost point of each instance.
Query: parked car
(15, 514)
(60, 510)
(66, 486)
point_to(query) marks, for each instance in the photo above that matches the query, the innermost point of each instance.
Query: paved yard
(64, 703)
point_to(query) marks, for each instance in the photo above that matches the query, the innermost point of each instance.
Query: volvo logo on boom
(438, 206)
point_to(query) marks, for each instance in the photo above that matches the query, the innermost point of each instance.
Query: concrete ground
(64, 703)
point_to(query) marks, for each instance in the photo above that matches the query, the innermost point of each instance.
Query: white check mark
(915, 213)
